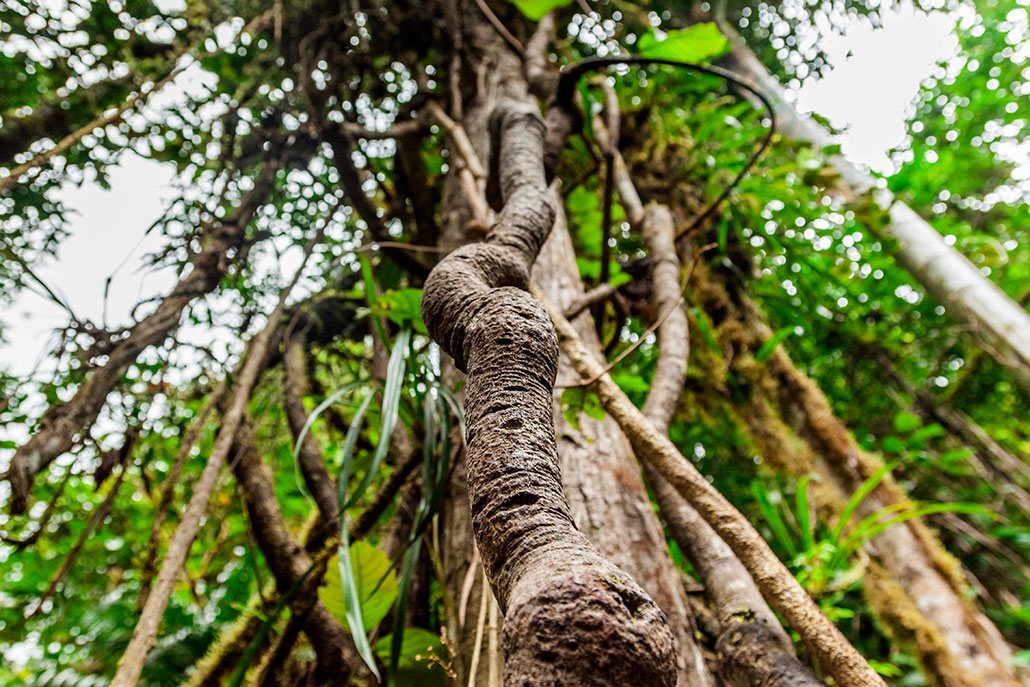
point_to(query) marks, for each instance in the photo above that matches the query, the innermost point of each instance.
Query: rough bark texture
(571, 617)
(602, 479)
(794, 426)
(830, 648)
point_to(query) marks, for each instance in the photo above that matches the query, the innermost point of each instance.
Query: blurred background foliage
(888, 358)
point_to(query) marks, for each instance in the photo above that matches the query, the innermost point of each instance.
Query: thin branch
(98, 516)
(456, 132)
(44, 520)
(144, 636)
(500, 27)
(831, 649)
(384, 496)
(408, 127)
(62, 422)
(309, 456)
(650, 330)
(137, 98)
(563, 116)
(168, 493)
(599, 294)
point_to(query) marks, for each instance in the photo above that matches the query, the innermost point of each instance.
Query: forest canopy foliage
(326, 156)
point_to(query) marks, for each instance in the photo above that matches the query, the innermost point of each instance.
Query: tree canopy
(275, 449)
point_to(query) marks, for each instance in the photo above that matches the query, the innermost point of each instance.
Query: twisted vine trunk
(570, 616)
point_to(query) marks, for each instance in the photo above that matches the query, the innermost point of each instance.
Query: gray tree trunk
(1001, 326)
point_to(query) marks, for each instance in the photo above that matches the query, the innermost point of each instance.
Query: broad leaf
(403, 306)
(417, 644)
(375, 586)
(536, 9)
(696, 44)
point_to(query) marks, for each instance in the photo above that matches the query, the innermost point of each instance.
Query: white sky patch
(107, 239)
(875, 75)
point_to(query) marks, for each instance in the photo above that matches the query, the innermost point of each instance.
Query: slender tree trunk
(1001, 325)
(285, 557)
(752, 647)
(793, 425)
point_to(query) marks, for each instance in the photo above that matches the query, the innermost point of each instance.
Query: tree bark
(571, 617)
(309, 457)
(830, 648)
(602, 479)
(287, 560)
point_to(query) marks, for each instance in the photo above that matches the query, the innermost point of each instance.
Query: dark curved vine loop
(571, 75)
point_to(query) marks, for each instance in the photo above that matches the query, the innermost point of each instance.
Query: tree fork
(63, 421)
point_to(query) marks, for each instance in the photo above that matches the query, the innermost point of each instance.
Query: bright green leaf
(905, 422)
(696, 44)
(417, 644)
(769, 346)
(374, 580)
(536, 9)
(403, 306)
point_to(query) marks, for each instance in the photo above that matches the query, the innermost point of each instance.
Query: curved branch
(562, 118)
(285, 557)
(309, 456)
(144, 636)
(752, 647)
(544, 572)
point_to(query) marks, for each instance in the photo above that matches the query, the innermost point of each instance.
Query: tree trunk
(1001, 325)
(571, 617)
(602, 479)
(793, 425)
